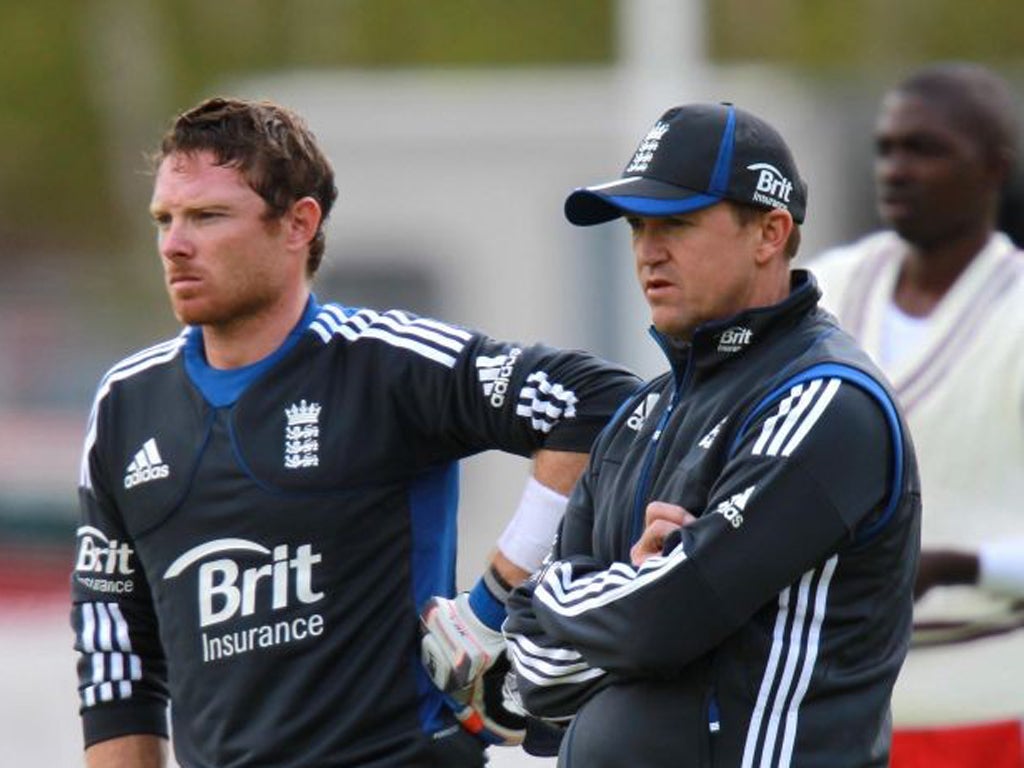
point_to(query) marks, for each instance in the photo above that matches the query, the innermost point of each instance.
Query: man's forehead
(911, 114)
(198, 161)
(198, 174)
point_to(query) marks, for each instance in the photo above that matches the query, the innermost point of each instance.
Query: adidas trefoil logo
(732, 510)
(302, 435)
(146, 466)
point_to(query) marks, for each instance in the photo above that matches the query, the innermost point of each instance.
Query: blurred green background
(63, 57)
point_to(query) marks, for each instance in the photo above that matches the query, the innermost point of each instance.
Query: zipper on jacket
(714, 718)
(645, 473)
(643, 484)
(714, 727)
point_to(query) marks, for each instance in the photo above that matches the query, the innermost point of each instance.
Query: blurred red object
(31, 576)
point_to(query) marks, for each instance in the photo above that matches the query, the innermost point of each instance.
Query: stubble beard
(224, 315)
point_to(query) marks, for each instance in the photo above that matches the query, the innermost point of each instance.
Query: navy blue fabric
(873, 388)
(433, 504)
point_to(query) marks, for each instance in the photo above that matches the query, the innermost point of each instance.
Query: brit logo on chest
(231, 589)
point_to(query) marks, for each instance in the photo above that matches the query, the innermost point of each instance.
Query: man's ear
(303, 221)
(776, 226)
(1001, 165)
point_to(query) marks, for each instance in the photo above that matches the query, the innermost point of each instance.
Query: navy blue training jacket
(769, 632)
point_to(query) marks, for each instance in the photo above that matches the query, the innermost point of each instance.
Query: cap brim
(635, 196)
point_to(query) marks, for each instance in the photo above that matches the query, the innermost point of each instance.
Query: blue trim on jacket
(872, 388)
(433, 504)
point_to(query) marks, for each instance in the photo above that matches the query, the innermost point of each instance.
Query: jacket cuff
(108, 721)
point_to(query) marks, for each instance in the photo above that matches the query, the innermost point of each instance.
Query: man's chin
(911, 232)
(190, 314)
(906, 224)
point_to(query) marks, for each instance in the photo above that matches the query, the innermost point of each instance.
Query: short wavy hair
(977, 101)
(270, 145)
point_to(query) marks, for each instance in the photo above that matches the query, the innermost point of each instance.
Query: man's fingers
(652, 540)
(672, 513)
(660, 519)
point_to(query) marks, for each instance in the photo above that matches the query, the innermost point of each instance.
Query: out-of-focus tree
(81, 78)
(865, 35)
(53, 184)
(85, 84)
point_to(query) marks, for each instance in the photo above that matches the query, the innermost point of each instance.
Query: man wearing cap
(732, 582)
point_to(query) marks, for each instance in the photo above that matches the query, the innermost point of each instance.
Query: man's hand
(457, 648)
(489, 708)
(660, 520)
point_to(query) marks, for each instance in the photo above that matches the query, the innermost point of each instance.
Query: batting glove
(488, 708)
(457, 648)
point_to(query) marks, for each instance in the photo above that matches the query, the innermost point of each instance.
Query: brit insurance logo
(302, 435)
(773, 188)
(103, 564)
(228, 593)
(146, 466)
(649, 145)
(494, 373)
(734, 339)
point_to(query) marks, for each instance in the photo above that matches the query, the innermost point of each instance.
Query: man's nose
(174, 241)
(649, 247)
(892, 167)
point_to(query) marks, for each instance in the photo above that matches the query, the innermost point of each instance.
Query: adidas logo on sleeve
(146, 466)
(494, 374)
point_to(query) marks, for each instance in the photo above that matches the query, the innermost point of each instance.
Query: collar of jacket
(722, 340)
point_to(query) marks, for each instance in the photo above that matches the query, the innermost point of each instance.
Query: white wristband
(530, 533)
(1001, 567)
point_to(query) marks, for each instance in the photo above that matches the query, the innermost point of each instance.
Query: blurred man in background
(268, 500)
(938, 300)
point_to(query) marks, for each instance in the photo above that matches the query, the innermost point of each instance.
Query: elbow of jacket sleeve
(660, 633)
(557, 703)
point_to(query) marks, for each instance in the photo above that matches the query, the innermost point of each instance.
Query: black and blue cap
(697, 155)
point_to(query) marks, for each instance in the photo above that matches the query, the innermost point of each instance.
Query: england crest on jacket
(302, 435)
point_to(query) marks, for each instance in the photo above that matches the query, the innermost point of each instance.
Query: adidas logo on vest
(147, 465)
